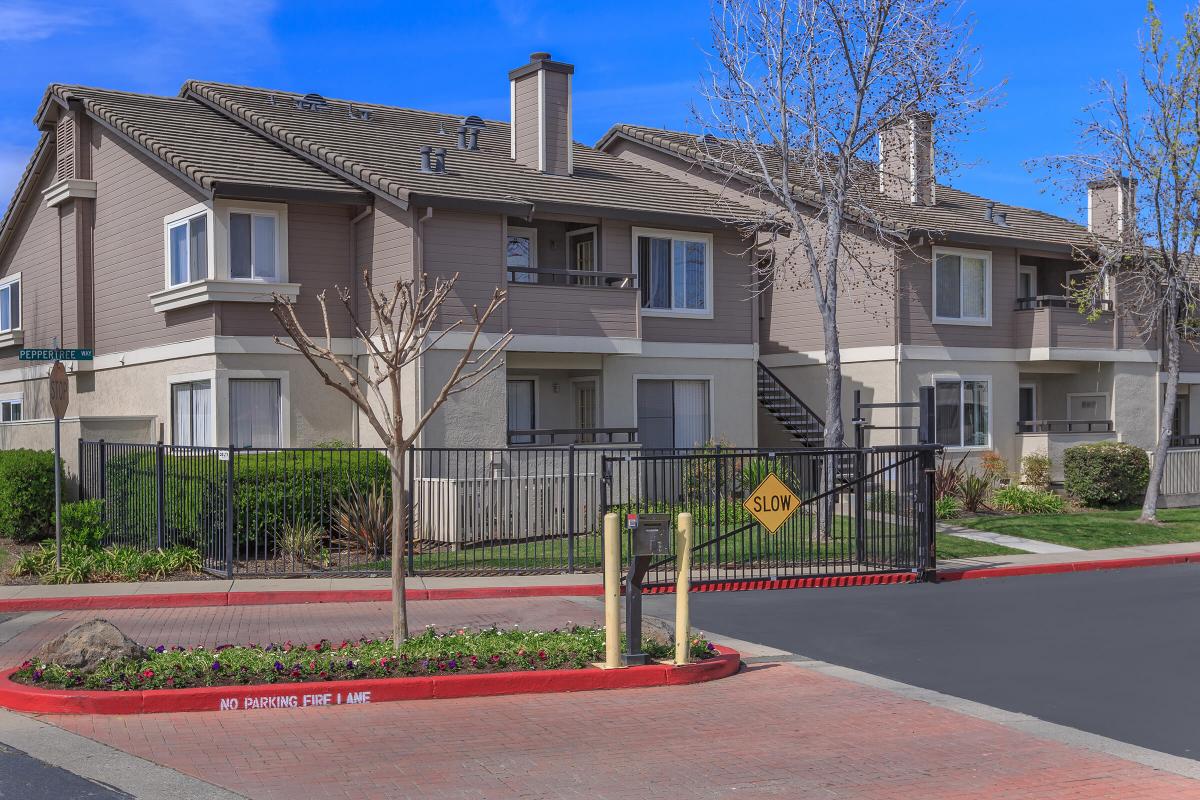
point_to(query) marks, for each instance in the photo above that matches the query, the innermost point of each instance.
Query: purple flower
(711, 647)
(216, 666)
(425, 663)
(160, 649)
(37, 674)
(278, 667)
(452, 664)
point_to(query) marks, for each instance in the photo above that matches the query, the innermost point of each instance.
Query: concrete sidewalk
(1070, 556)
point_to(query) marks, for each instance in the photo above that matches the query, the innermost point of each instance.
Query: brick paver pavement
(775, 730)
(216, 625)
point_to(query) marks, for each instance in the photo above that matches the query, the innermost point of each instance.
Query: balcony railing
(571, 277)
(541, 437)
(1186, 440)
(1054, 301)
(1065, 426)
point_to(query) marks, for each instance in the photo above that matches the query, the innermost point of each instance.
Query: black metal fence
(303, 511)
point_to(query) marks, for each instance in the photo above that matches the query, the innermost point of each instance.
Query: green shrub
(301, 541)
(948, 507)
(26, 494)
(1024, 500)
(270, 490)
(83, 524)
(754, 471)
(974, 490)
(1036, 467)
(881, 500)
(1106, 473)
(85, 565)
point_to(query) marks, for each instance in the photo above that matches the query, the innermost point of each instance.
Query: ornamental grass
(429, 653)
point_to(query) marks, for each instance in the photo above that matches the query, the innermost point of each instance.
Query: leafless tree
(1144, 138)
(401, 328)
(799, 97)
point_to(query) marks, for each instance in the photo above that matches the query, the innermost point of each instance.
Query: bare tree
(1147, 139)
(398, 333)
(801, 94)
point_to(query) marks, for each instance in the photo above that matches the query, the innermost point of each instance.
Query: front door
(520, 410)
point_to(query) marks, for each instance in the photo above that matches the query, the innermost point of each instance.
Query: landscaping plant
(947, 507)
(301, 541)
(1024, 500)
(26, 494)
(974, 490)
(365, 518)
(994, 466)
(88, 565)
(1106, 473)
(428, 653)
(83, 524)
(1036, 469)
(948, 476)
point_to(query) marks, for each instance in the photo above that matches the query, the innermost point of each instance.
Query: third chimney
(541, 114)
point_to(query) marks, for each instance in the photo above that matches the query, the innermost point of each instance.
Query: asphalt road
(23, 777)
(1115, 653)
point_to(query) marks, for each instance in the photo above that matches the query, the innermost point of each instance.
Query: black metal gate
(859, 510)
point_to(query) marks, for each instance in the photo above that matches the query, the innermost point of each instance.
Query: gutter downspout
(355, 433)
(419, 270)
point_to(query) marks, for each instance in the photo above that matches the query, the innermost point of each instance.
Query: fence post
(571, 508)
(927, 529)
(860, 485)
(927, 433)
(718, 474)
(160, 480)
(412, 500)
(104, 473)
(80, 472)
(229, 526)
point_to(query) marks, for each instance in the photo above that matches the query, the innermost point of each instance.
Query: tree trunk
(400, 501)
(1158, 466)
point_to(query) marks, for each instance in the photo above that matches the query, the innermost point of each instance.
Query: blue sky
(635, 62)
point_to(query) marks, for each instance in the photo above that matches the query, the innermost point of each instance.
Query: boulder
(88, 644)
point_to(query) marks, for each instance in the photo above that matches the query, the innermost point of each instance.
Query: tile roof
(383, 153)
(200, 143)
(956, 211)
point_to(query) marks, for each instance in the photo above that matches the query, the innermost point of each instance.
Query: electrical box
(652, 536)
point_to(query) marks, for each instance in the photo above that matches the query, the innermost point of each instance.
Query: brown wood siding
(1189, 357)
(34, 253)
(525, 119)
(66, 275)
(916, 307)
(557, 132)
(391, 246)
(572, 310)
(470, 245)
(733, 310)
(318, 260)
(133, 196)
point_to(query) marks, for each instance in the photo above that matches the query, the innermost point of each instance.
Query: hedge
(270, 490)
(1106, 473)
(26, 494)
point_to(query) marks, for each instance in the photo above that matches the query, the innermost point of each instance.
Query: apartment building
(156, 231)
(977, 306)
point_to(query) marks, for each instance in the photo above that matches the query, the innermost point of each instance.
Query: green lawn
(1094, 530)
(957, 547)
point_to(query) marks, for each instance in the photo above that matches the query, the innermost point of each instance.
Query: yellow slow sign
(772, 503)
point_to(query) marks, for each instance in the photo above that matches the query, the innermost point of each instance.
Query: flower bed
(430, 653)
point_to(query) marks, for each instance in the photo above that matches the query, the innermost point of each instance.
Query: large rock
(88, 644)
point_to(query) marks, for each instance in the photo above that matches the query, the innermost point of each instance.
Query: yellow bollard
(612, 591)
(683, 547)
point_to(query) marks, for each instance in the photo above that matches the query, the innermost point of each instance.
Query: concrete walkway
(1004, 540)
(1109, 554)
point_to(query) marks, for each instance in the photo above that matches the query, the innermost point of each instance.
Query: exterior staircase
(796, 417)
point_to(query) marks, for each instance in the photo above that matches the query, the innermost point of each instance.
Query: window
(521, 412)
(10, 410)
(674, 271)
(961, 287)
(254, 412)
(10, 305)
(1182, 426)
(191, 414)
(962, 412)
(673, 414)
(1026, 282)
(521, 254)
(1026, 402)
(187, 248)
(252, 247)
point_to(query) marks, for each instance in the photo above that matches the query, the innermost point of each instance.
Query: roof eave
(295, 194)
(947, 236)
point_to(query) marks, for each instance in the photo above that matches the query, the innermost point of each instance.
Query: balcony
(1054, 321)
(1052, 437)
(1187, 440)
(572, 302)
(1065, 426)
(552, 437)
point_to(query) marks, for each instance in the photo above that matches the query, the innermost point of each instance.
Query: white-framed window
(674, 271)
(192, 413)
(255, 412)
(962, 286)
(1026, 282)
(187, 247)
(10, 303)
(521, 254)
(253, 245)
(674, 413)
(962, 411)
(1027, 402)
(522, 408)
(10, 409)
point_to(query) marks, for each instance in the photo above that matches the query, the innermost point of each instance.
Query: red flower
(542, 655)
(149, 673)
(441, 665)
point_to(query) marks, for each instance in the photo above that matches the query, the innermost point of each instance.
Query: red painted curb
(203, 599)
(972, 573)
(878, 579)
(22, 697)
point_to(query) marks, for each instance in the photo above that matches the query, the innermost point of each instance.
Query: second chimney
(1112, 206)
(541, 114)
(906, 159)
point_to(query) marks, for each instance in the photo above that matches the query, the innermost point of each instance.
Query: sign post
(60, 391)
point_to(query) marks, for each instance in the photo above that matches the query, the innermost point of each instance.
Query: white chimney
(906, 159)
(540, 98)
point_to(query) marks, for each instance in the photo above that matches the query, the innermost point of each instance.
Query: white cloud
(24, 22)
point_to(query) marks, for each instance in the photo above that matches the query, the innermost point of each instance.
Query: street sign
(772, 503)
(60, 390)
(55, 354)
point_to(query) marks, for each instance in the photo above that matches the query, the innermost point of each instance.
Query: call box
(652, 536)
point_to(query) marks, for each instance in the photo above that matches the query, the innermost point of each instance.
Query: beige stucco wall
(875, 379)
